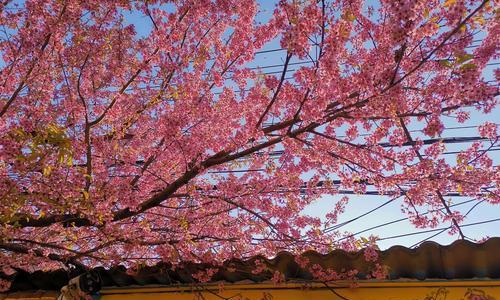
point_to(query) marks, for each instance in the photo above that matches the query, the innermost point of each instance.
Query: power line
(438, 229)
(326, 230)
(403, 219)
(314, 44)
(276, 155)
(430, 237)
(156, 86)
(436, 234)
(449, 140)
(256, 68)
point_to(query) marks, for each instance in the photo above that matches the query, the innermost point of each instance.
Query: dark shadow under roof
(460, 260)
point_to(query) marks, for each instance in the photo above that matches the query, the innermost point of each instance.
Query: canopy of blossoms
(119, 147)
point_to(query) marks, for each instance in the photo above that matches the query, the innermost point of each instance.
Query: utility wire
(436, 234)
(449, 140)
(326, 230)
(401, 219)
(437, 229)
(430, 237)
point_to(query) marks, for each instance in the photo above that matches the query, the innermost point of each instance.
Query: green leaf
(445, 63)
(464, 58)
(468, 66)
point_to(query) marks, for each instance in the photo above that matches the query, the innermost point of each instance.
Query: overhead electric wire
(156, 86)
(448, 140)
(436, 234)
(437, 229)
(267, 66)
(284, 49)
(430, 237)
(402, 219)
(326, 230)
(493, 149)
(445, 140)
(337, 226)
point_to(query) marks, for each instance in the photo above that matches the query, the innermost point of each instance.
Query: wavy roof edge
(422, 247)
(461, 259)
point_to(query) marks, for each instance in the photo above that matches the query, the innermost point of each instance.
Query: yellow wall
(414, 290)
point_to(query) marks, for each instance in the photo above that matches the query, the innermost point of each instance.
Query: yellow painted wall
(424, 290)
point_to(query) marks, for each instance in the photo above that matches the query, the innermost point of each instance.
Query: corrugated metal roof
(460, 260)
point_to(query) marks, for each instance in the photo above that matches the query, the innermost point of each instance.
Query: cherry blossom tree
(120, 147)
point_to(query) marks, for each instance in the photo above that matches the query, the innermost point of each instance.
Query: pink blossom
(278, 278)
(205, 275)
(488, 130)
(370, 254)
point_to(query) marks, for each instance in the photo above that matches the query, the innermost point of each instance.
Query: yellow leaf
(480, 20)
(19, 132)
(348, 16)
(449, 3)
(175, 95)
(434, 20)
(344, 32)
(459, 188)
(358, 244)
(470, 168)
(47, 170)
(184, 224)
(426, 13)
(69, 161)
(86, 195)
